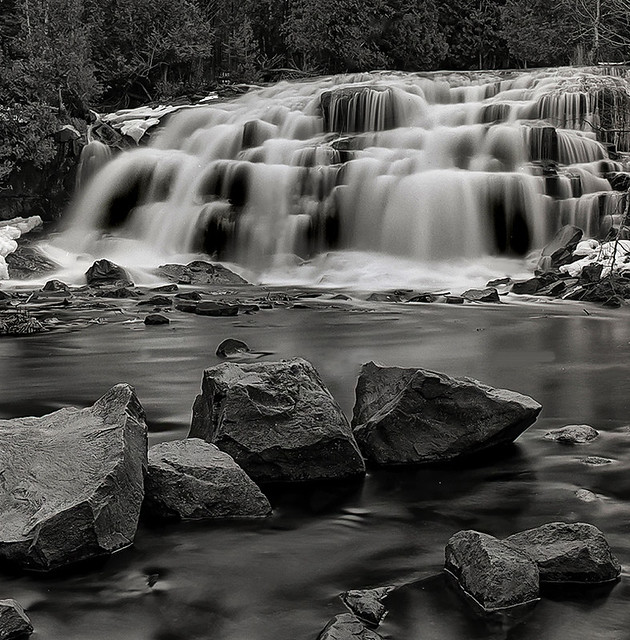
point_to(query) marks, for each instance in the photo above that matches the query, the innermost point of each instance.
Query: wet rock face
(492, 572)
(191, 479)
(416, 415)
(14, 623)
(277, 420)
(72, 482)
(568, 552)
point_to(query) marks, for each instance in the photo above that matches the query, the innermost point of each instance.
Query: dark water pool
(278, 580)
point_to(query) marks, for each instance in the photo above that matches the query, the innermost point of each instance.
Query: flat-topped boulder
(405, 415)
(192, 479)
(564, 552)
(277, 420)
(200, 272)
(72, 482)
(14, 623)
(491, 572)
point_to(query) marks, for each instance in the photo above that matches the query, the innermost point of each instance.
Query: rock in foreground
(191, 479)
(490, 571)
(416, 415)
(568, 552)
(14, 623)
(347, 627)
(72, 482)
(277, 420)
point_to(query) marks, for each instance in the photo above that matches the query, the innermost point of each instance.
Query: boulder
(527, 287)
(72, 482)
(417, 415)
(277, 420)
(216, 309)
(200, 272)
(156, 301)
(156, 319)
(367, 604)
(347, 627)
(27, 262)
(106, 273)
(56, 286)
(14, 623)
(568, 552)
(560, 250)
(493, 573)
(490, 294)
(231, 347)
(191, 479)
(573, 434)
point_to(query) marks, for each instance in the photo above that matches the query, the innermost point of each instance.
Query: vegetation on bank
(58, 58)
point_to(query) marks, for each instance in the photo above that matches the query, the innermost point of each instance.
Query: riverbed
(279, 579)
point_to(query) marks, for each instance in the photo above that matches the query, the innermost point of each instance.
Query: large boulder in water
(72, 482)
(417, 415)
(200, 272)
(106, 273)
(277, 420)
(490, 571)
(568, 552)
(191, 479)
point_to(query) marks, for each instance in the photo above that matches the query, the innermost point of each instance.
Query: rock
(199, 272)
(591, 273)
(560, 250)
(189, 295)
(156, 301)
(116, 293)
(56, 286)
(155, 319)
(347, 627)
(72, 482)
(383, 297)
(454, 300)
(416, 415)
(527, 287)
(14, 623)
(217, 309)
(27, 262)
(166, 288)
(498, 282)
(489, 294)
(19, 323)
(596, 460)
(104, 272)
(554, 289)
(277, 420)
(586, 496)
(367, 604)
(187, 306)
(231, 347)
(619, 180)
(496, 575)
(423, 297)
(573, 434)
(568, 552)
(191, 479)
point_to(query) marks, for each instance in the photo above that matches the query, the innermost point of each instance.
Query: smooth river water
(279, 579)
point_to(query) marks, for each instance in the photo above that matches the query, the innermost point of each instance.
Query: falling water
(423, 167)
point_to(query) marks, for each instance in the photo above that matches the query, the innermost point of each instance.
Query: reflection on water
(279, 578)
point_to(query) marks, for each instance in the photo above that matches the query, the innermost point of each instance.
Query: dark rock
(340, 296)
(454, 300)
(19, 323)
(568, 552)
(56, 286)
(554, 289)
(619, 180)
(27, 262)
(277, 420)
(383, 297)
(5, 295)
(166, 288)
(573, 434)
(416, 415)
(527, 287)
(14, 623)
(499, 282)
(72, 482)
(216, 309)
(591, 273)
(189, 295)
(490, 571)
(191, 479)
(481, 295)
(560, 250)
(116, 293)
(156, 301)
(231, 347)
(423, 297)
(367, 604)
(187, 306)
(199, 272)
(155, 319)
(248, 308)
(106, 273)
(347, 627)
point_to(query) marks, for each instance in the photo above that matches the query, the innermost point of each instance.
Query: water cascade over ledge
(422, 167)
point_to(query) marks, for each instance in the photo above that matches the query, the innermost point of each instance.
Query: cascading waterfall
(427, 167)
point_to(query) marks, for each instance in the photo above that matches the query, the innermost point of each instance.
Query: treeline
(60, 57)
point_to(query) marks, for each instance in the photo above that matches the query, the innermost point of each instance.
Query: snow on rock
(10, 231)
(602, 253)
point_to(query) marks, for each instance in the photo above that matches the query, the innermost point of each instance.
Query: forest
(60, 58)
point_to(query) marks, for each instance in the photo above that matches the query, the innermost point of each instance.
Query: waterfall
(427, 167)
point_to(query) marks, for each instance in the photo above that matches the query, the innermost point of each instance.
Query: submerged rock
(367, 604)
(416, 415)
(347, 627)
(106, 273)
(573, 434)
(72, 482)
(277, 420)
(14, 623)
(231, 347)
(496, 575)
(200, 272)
(568, 552)
(191, 479)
